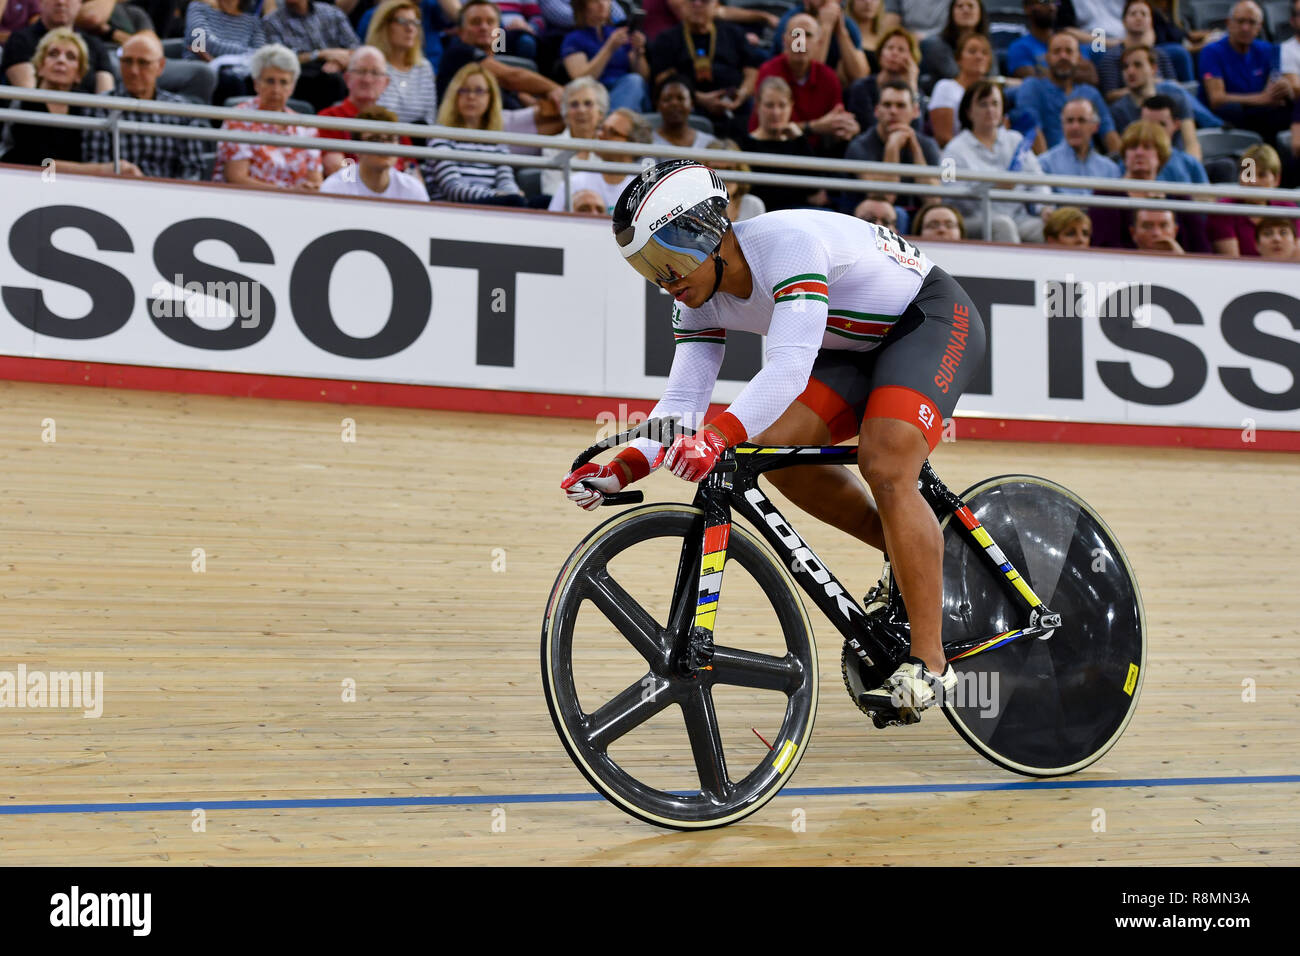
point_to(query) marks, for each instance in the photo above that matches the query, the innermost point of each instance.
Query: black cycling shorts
(917, 372)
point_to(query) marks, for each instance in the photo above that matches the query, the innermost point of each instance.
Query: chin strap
(719, 264)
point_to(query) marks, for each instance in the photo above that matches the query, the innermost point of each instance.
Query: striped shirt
(412, 94)
(163, 157)
(323, 27)
(450, 180)
(821, 280)
(221, 34)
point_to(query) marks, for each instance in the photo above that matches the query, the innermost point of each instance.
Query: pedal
(883, 713)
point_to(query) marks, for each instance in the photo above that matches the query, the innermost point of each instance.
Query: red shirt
(1242, 229)
(813, 98)
(346, 109)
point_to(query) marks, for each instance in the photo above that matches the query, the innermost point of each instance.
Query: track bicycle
(1042, 620)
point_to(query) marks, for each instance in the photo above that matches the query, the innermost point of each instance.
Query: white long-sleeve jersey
(821, 280)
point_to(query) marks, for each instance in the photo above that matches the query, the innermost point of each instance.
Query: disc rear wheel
(1043, 707)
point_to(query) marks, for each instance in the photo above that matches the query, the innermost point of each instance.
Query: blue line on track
(495, 799)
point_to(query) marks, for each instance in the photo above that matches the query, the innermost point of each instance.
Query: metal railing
(954, 183)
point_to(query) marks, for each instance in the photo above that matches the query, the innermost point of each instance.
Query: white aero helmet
(670, 219)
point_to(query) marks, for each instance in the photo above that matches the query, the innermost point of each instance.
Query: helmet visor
(675, 250)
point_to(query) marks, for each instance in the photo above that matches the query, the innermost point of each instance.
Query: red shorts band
(907, 405)
(827, 405)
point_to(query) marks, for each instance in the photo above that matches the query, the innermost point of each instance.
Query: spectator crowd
(1129, 90)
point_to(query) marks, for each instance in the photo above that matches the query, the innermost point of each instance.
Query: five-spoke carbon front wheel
(677, 750)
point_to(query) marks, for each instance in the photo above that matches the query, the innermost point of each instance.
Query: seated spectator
(817, 104)
(878, 212)
(873, 23)
(162, 157)
(396, 32)
(900, 60)
(1174, 37)
(986, 145)
(1145, 148)
(919, 19)
(479, 23)
(588, 202)
(1155, 230)
(558, 16)
(1276, 240)
(939, 51)
(522, 20)
(366, 78)
(275, 71)
(620, 126)
(939, 222)
(777, 133)
(1043, 97)
(59, 61)
(1140, 85)
(724, 65)
(674, 104)
(1138, 32)
(586, 104)
(19, 50)
(113, 21)
(615, 56)
(1074, 155)
(838, 43)
(742, 204)
(1289, 51)
(1182, 166)
(437, 17)
(1240, 76)
(893, 140)
(224, 28)
(974, 60)
(1067, 226)
(14, 15)
(374, 175)
(322, 39)
(1027, 55)
(473, 101)
(1235, 235)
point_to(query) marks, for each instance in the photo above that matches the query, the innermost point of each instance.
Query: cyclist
(865, 336)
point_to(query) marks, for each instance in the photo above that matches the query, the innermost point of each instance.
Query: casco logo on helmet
(666, 218)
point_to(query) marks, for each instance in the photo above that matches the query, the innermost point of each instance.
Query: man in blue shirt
(1141, 84)
(1241, 75)
(1074, 156)
(1044, 97)
(1181, 167)
(1027, 55)
(832, 31)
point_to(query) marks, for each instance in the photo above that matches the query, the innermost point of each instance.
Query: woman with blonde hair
(743, 204)
(1234, 236)
(874, 24)
(396, 30)
(777, 133)
(473, 101)
(1067, 226)
(60, 61)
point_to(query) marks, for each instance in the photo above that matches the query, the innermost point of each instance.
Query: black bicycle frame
(881, 641)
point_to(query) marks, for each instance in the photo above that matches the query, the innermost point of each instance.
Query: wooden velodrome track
(373, 561)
